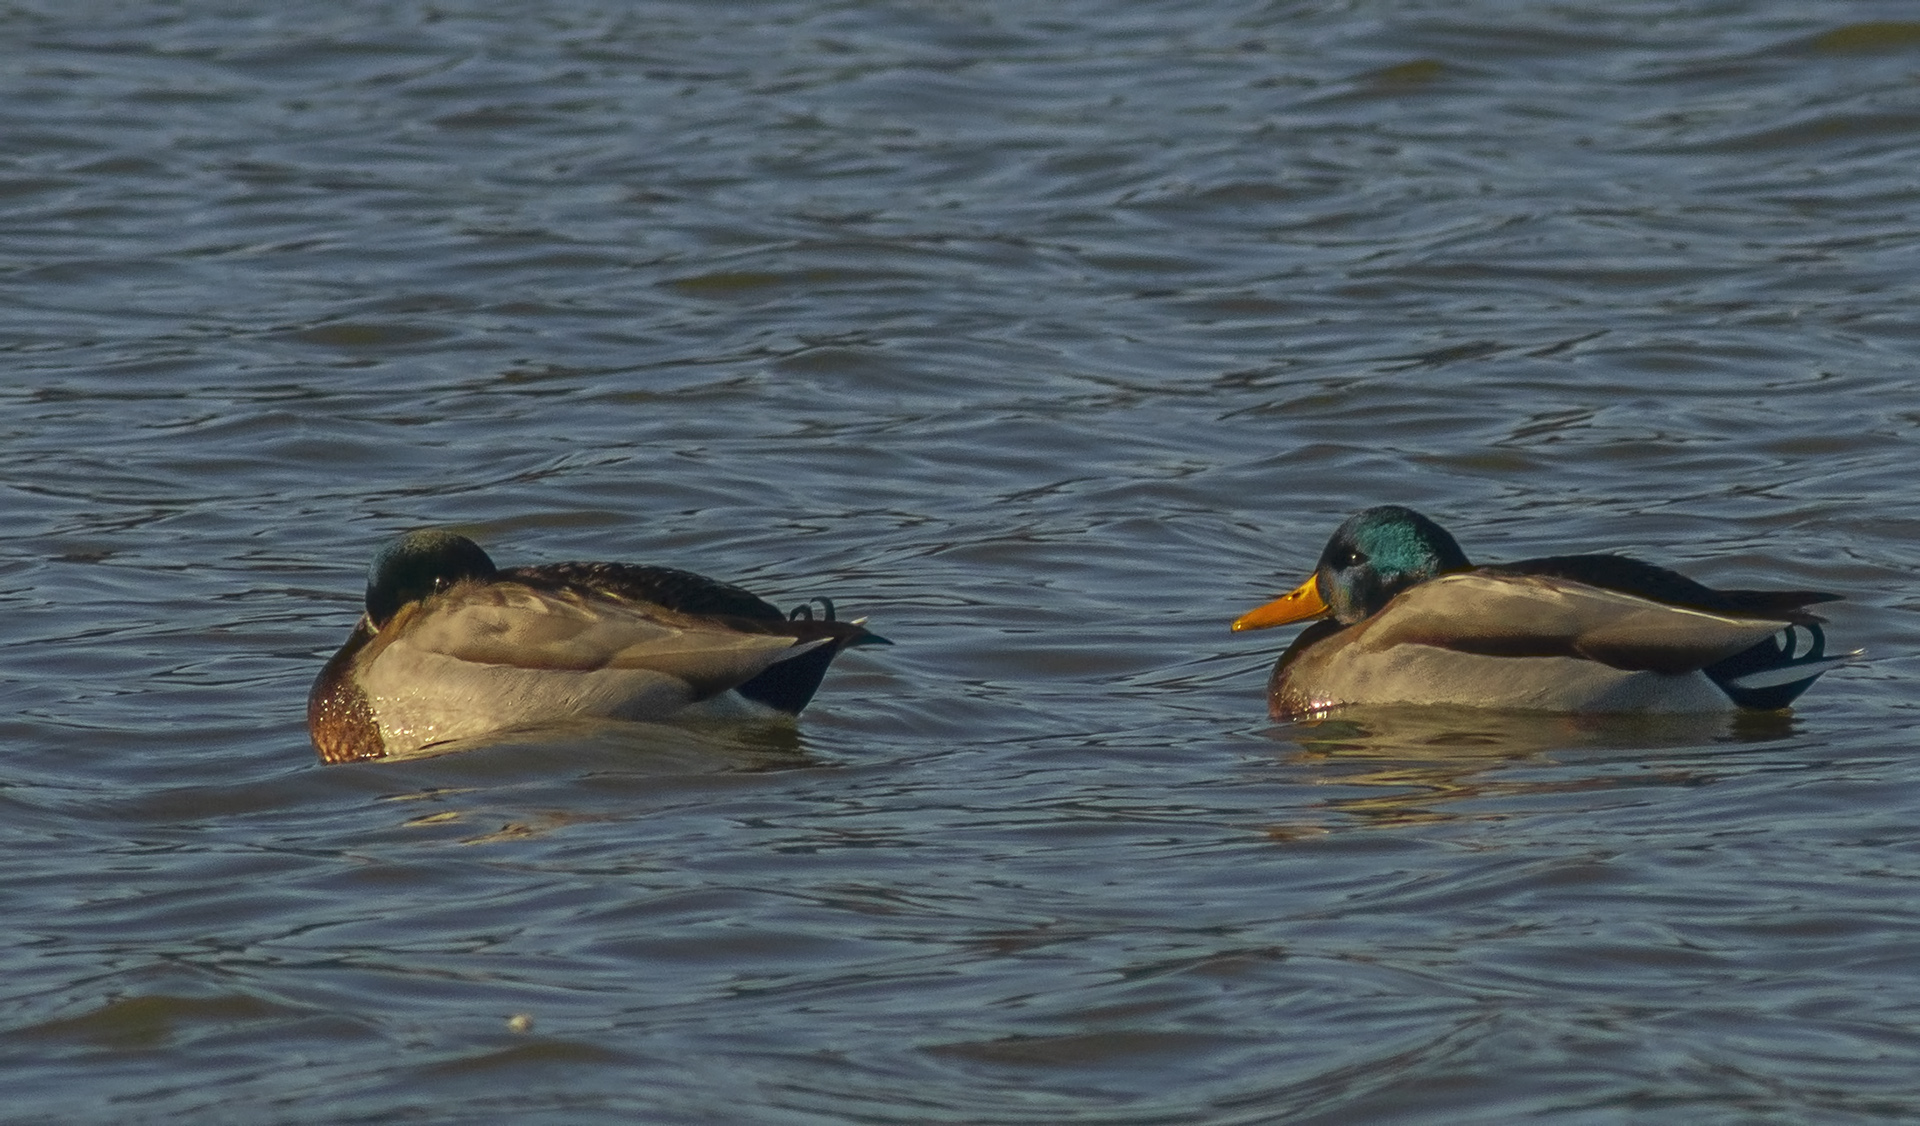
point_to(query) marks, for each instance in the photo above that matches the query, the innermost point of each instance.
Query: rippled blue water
(1051, 338)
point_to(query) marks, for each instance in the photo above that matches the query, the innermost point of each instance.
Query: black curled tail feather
(804, 611)
(1772, 673)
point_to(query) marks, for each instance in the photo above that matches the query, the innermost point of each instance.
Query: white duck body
(485, 657)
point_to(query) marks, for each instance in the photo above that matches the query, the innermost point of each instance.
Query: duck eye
(1347, 557)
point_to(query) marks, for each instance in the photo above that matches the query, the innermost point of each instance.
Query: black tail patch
(1762, 677)
(789, 685)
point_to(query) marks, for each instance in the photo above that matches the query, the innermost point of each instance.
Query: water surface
(1051, 341)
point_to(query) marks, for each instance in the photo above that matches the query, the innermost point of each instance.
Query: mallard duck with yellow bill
(1401, 617)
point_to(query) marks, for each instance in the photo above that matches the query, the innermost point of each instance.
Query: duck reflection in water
(1408, 765)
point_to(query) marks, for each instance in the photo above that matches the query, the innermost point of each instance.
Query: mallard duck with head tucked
(452, 647)
(1408, 620)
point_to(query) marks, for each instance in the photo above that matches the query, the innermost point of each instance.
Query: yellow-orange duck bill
(1297, 605)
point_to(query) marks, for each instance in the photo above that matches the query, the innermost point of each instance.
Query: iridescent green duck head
(419, 564)
(1371, 558)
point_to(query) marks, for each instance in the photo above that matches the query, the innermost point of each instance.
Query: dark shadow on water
(1409, 765)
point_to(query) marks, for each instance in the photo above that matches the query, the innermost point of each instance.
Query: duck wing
(517, 625)
(1631, 576)
(1499, 612)
(787, 684)
(668, 587)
